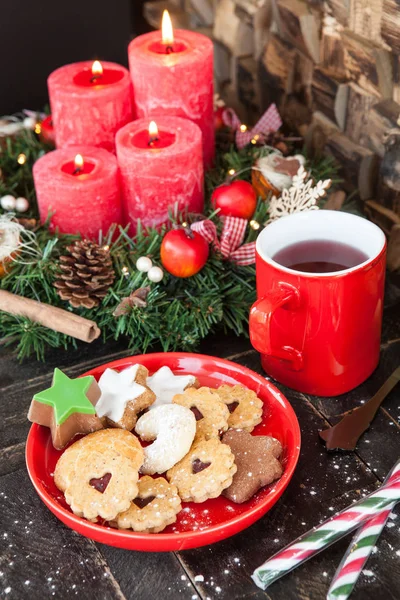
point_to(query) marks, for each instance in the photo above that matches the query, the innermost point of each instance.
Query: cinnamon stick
(54, 318)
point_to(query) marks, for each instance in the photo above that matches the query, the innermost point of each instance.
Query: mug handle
(261, 313)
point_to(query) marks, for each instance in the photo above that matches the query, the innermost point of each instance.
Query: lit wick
(97, 71)
(78, 162)
(153, 133)
(167, 33)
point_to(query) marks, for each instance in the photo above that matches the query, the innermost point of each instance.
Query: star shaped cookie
(124, 395)
(67, 408)
(256, 458)
(166, 385)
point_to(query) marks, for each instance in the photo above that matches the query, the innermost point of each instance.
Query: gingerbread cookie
(124, 395)
(257, 463)
(67, 408)
(99, 473)
(173, 428)
(166, 385)
(155, 507)
(211, 413)
(204, 472)
(243, 404)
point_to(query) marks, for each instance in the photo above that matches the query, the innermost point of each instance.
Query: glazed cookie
(124, 395)
(257, 463)
(155, 507)
(204, 472)
(99, 473)
(211, 413)
(243, 404)
(173, 428)
(166, 385)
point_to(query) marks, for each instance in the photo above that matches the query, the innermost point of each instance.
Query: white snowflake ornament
(302, 195)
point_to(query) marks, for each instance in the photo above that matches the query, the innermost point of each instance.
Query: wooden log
(279, 61)
(302, 78)
(301, 26)
(358, 110)
(396, 78)
(368, 64)
(319, 131)
(393, 249)
(296, 115)
(330, 96)
(382, 117)
(203, 11)
(230, 31)
(365, 18)
(382, 216)
(222, 64)
(153, 14)
(248, 87)
(339, 10)
(358, 165)
(390, 25)
(332, 50)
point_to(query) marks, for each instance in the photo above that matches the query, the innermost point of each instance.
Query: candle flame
(78, 161)
(167, 32)
(153, 130)
(97, 68)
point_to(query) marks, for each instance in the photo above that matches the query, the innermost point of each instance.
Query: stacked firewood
(332, 68)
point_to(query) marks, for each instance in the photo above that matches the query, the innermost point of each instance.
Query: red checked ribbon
(269, 122)
(232, 236)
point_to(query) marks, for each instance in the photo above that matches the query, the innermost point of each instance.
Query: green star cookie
(67, 407)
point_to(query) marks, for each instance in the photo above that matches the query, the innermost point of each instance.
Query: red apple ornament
(183, 252)
(236, 199)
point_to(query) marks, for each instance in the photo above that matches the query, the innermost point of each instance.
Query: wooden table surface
(41, 558)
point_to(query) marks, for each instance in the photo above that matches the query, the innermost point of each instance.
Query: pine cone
(87, 274)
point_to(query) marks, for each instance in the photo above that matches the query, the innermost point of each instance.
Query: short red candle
(157, 175)
(85, 200)
(177, 83)
(88, 108)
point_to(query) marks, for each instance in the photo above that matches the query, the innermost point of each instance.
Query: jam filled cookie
(243, 404)
(166, 385)
(155, 507)
(210, 412)
(257, 463)
(204, 472)
(124, 395)
(173, 428)
(99, 473)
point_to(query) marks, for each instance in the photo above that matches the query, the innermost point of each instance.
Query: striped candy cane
(359, 551)
(356, 556)
(322, 536)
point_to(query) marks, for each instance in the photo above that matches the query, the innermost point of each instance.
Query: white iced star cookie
(166, 385)
(124, 395)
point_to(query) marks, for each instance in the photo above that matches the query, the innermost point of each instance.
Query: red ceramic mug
(319, 333)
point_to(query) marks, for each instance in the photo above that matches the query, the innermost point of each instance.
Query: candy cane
(322, 536)
(356, 556)
(359, 551)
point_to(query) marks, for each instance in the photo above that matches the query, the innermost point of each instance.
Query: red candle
(159, 167)
(80, 186)
(89, 103)
(173, 75)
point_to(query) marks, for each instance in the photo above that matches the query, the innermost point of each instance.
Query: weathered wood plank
(40, 558)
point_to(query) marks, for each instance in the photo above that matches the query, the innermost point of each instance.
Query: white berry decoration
(155, 274)
(7, 202)
(22, 204)
(144, 264)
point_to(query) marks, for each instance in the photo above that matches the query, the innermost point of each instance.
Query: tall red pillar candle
(175, 79)
(89, 103)
(80, 186)
(160, 169)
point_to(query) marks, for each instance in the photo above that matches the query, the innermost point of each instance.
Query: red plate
(197, 524)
